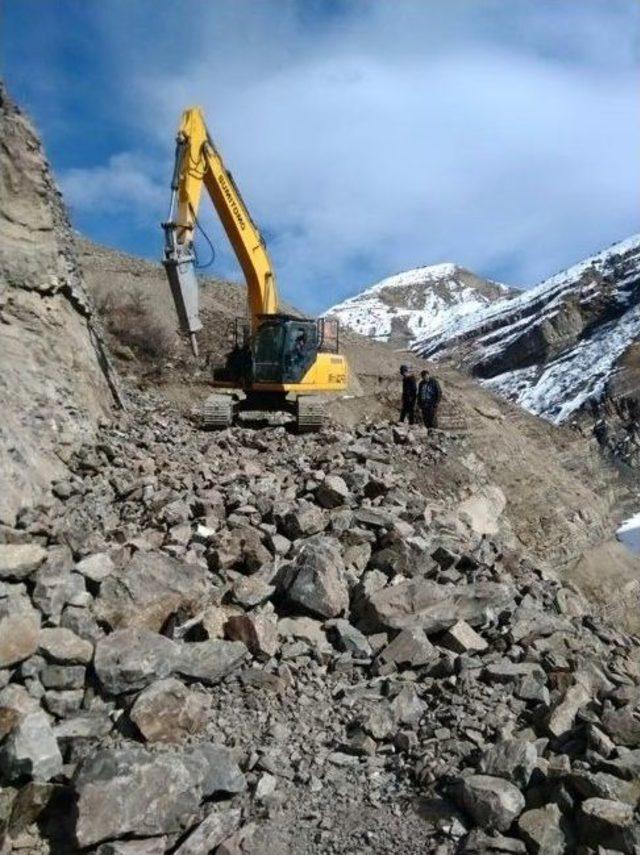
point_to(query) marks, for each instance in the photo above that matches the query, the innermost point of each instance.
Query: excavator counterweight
(287, 361)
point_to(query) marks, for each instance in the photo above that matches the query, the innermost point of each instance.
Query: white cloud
(391, 135)
(122, 186)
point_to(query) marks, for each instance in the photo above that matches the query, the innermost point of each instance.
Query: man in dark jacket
(429, 395)
(409, 394)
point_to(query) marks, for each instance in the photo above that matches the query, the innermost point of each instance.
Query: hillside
(566, 347)
(56, 381)
(248, 642)
(418, 303)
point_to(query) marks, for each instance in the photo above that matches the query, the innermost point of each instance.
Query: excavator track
(310, 413)
(217, 412)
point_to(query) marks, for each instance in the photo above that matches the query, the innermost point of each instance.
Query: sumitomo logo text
(237, 213)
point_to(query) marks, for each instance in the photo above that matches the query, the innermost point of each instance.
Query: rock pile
(252, 641)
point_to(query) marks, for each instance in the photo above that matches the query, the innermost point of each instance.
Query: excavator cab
(284, 349)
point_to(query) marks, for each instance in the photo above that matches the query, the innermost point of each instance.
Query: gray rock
(54, 583)
(332, 492)
(513, 759)
(150, 846)
(87, 726)
(18, 561)
(209, 661)
(31, 750)
(542, 830)
(96, 567)
(150, 588)
(64, 646)
(63, 676)
(302, 521)
(320, 582)
(563, 715)
(407, 707)
(512, 672)
(492, 802)
(219, 770)
(216, 827)
(63, 702)
(424, 604)
(167, 711)
(130, 791)
(130, 659)
(19, 630)
(410, 648)
(623, 725)
(82, 622)
(347, 638)
(531, 689)
(259, 632)
(462, 638)
(608, 823)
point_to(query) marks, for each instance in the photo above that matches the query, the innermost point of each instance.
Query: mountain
(410, 306)
(566, 347)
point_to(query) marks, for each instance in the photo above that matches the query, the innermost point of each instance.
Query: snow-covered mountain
(418, 303)
(569, 344)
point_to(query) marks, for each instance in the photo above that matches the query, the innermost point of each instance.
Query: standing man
(409, 394)
(429, 395)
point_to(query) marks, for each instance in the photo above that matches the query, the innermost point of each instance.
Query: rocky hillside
(566, 347)
(418, 303)
(261, 642)
(55, 381)
(370, 639)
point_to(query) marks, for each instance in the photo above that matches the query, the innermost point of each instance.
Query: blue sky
(366, 137)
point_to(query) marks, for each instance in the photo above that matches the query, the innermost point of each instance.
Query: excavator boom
(198, 164)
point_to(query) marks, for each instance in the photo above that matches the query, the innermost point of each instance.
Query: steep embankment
(405, 308)
(55, 381)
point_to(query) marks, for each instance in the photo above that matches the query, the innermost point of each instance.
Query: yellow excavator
(279, 362)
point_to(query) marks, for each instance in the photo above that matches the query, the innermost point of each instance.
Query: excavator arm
(198, 163)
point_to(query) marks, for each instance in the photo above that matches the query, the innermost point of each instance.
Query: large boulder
(31, 750)
(132, 792)
(20, 560)
(320, 583)
(150, 588)
(130, 659)
(426, 605)
(493, 802)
